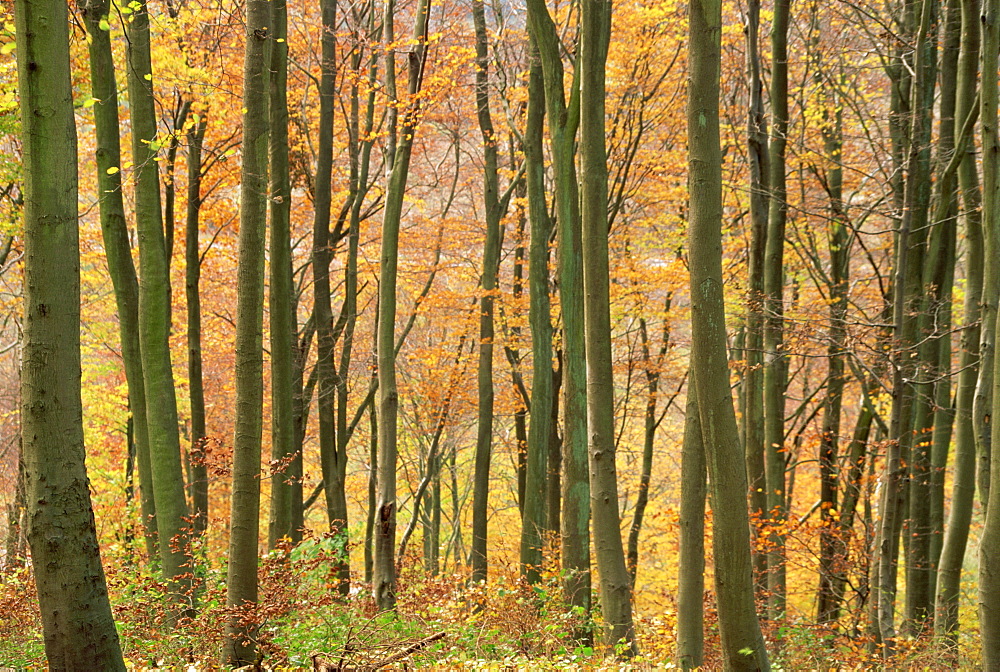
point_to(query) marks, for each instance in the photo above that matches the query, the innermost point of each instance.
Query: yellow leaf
(112, 170)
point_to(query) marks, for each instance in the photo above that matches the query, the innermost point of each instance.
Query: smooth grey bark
(239, 643)
(154, 315)
(118, 248)
(742, 642)
(939, 279)
(384, 569)
(77, 623)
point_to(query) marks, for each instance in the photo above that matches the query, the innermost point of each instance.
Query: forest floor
(303, 622)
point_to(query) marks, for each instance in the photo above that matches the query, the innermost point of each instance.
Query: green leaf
(104, 25)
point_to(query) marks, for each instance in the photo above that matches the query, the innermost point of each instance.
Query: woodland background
(849, 370)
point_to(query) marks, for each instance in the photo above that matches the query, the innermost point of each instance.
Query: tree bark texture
(78, 627)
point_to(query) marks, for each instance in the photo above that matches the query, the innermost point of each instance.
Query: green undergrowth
(440, 622)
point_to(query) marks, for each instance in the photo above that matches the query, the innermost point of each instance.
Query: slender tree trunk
(239, 646)
(852, 485)
(281, 299)
(983, 403)
(753, 380)
(832, 549)
(118, 248)
(907, 288)
(615, 581)
(964, 485)
(488, 282)
(989, 549)
(575, 515)
(301, 401)
(192, 280)
(742, 643)
(372, 493)
(775, 358)
(691, 560)
(650, 423)
(553, 470)
(384, 569)
(78, 627)
(154, 314)
(919, 566)
(336, 500)
(542, 396)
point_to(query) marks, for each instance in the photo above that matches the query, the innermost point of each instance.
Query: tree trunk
(964, 484)
(919, 567)
(983, 402)
(832, 549)
(384, 570)
(615, 581)
(239, 645)
(650, 424)
(775, 358)
(575, 516)
(330, 458)
(742, 643)
(542, 398)
(281, 299)
(753, 380)
(192, 279)
(488, 282)
(118, 248)
(989, 549)
(907, 291)
(691, 560)
(154, 315)
(78, 627)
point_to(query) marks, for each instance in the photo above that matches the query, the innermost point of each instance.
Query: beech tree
(384, 576)
(239, 646)
(615, 582)
(742, 642)
(118, 248)
(154, 313)
(69, 579)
